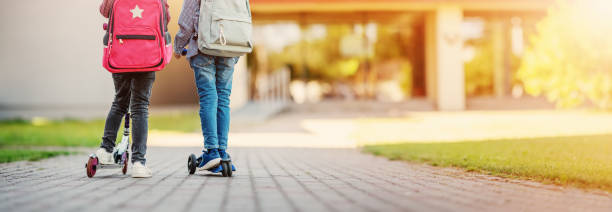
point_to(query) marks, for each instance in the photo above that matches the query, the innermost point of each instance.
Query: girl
(132, 91)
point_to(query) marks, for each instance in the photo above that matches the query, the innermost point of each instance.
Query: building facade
(52, 50)
(438, 69)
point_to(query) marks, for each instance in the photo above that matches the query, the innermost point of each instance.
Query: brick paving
(279, 179)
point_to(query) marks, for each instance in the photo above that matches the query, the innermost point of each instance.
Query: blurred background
(436, 54)
(348, 73)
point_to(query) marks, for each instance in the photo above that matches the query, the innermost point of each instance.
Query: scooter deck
(109, 166)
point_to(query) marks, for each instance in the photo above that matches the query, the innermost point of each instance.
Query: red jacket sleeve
(105, 7)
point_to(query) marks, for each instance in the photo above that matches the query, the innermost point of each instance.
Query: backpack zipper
(136, 37)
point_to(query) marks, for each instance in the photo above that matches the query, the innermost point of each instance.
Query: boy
(213, 78)
(132, 91)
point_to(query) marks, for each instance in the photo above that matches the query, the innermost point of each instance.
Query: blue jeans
(213, 77)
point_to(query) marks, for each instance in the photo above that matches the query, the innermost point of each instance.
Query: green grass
(40, 132)
(10, 155)
(180, 122)
(581, 161)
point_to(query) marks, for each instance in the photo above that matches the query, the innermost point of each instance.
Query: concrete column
(499, 71)
(430, 57)
(449, 62)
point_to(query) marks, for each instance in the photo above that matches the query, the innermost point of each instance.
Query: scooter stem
(126, 131)
(125, 141)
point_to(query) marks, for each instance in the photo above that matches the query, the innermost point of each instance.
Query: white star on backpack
(136, 12)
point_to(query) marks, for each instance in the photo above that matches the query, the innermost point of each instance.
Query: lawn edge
(543, 180)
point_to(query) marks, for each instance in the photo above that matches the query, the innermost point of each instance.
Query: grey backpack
(225, 28)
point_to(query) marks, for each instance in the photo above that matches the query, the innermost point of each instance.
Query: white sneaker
(140, 171)
(104, 157)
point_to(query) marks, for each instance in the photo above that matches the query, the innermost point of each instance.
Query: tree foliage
(324, 59)
(479, 70)
(570, 58)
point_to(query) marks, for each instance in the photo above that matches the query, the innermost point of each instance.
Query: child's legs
(141, 93)
(118, 109)
(225, 71)
(204, 71)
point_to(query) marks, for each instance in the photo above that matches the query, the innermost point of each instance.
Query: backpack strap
(164, 21)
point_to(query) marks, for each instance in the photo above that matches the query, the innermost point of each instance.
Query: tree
(479, 70)
(570, 58)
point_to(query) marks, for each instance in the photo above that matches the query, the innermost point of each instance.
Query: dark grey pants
(132, 91)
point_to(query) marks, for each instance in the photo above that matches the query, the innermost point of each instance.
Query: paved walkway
(353, 124)
(279, 179)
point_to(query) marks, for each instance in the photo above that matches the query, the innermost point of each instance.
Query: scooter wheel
(229, 169)
(125, 163)
(91, 166)
(191, 164)
(226, 169)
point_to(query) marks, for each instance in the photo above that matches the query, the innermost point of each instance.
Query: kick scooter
(120, 154)
(225, 167)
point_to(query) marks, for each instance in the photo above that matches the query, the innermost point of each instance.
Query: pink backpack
(137, 37)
